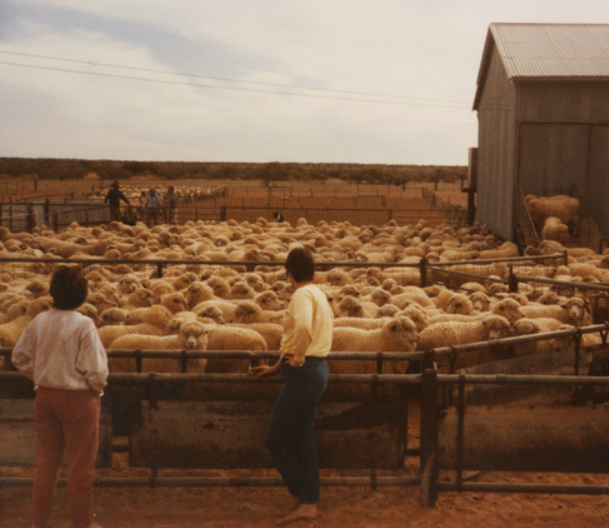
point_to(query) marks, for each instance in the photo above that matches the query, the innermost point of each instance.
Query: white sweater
(61, 349)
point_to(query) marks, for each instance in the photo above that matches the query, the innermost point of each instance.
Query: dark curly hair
(301, 264)
(68, 288)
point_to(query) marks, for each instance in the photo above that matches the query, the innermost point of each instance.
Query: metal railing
(433, 406)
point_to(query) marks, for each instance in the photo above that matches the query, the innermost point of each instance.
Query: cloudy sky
(361, 81)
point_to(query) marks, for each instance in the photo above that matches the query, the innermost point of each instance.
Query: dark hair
(68, 288)
(300, 264)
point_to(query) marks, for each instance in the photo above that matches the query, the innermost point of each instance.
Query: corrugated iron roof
(548, 52)
(553, 50)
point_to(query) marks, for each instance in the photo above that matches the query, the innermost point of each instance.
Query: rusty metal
(525, 488)
(460, 431)
(223, 482)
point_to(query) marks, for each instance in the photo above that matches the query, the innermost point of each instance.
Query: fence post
(223, 213)
(429, 437)
(512, 282)
(47, 210)
(423, 272)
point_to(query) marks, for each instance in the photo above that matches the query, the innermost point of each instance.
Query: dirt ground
(353, 507)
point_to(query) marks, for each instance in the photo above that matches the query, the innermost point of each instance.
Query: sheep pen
(191, 244)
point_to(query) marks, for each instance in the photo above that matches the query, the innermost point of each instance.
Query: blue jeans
(290, 439)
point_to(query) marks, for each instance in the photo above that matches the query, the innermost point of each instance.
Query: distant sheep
(561, 206)
(554, 229)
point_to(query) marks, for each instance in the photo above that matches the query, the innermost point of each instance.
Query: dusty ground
(358, 507)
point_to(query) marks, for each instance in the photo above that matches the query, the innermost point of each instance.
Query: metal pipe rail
(574, 285)
(431, 485)
(206, 482)
(419, 356)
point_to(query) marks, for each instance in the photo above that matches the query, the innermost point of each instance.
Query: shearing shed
(543, 116)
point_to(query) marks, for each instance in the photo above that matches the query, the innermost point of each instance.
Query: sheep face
(459, 304)
(214, 313)
(380, 297)
(193, 336)
(37, 288)
(247, 312)
(176, 302)
(241, 290)
(526, 327)
(576, 310)
(402, 335)
(128, 284)
(141, 298)
(510, 309)
(220, 287)
(113, 316)
(350, 307)
(496, 326)
(480, 301)
(269, 300)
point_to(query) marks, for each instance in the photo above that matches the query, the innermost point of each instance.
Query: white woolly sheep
(128, 284)
(198, 292)
(210, 309)
(272, 333)
(224, 338)
(460, 332)
(11, 332)
(554, 229)
(251, 312)
(113, 316)
(562, 206)
(445, 334)
(396, 335)
(175, 302)
(140, 298)
(156, 319)
(191, 336)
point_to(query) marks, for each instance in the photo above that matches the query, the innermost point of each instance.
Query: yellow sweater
(307, 324)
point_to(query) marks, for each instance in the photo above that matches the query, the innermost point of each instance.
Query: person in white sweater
(291, 440)
(61, 352)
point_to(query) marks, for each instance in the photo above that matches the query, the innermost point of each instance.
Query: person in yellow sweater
(291, 440)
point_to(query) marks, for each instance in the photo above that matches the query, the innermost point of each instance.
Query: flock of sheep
(199, 305)
(555, 216)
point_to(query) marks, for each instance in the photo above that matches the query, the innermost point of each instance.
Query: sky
(309, 81)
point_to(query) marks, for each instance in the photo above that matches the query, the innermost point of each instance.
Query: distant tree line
(66, 169)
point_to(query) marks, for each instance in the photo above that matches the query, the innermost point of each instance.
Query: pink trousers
(65, 420)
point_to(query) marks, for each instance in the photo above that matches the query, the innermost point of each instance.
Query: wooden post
(512, 282)
(423, 272)
(429, 437)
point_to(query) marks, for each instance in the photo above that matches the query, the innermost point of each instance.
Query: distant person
(142, 200)
(31, 218)
(61, 352)
(114, 197)
(153, 206)
(278, 216)
(170, 204)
